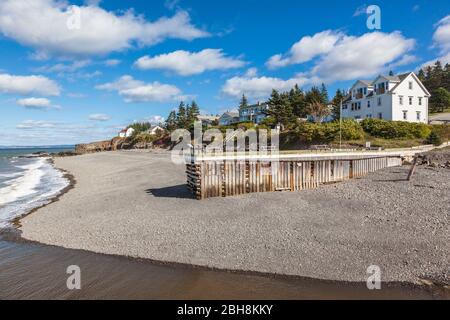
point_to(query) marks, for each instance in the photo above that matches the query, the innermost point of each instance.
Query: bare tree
(318, 111)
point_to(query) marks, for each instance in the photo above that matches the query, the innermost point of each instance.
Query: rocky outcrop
(118, 143)
(93, 147)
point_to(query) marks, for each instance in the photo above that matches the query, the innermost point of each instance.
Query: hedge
(395, 129)
(327, 132)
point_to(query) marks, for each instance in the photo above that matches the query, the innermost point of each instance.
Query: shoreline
(428, 282)
(16, 222)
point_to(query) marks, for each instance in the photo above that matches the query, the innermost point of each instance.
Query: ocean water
(27, 182)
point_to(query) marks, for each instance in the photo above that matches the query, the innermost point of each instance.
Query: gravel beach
(136, 204)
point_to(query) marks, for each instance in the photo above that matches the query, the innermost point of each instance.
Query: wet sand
(35, 271)
(137, 204)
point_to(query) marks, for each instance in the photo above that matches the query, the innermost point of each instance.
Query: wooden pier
(217, 176)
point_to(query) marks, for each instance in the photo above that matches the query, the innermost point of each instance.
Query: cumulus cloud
(259, 87)
(343, 57)
(363, 56)
(99, 117)
(187, 63)
(138, 91)
(441, 36)
(306, 49)
(54, 27)
(25, 85)
(37, 103)
(441, 41)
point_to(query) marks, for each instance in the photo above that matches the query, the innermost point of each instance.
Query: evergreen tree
(324, 94)
(280, 108)
(181, 116)
(244, 102)
(313, 95)
(440, 100)
(336, 102)
(298, 102)
(435, 78)
(391, 73)
(192, 113)
(171, 122)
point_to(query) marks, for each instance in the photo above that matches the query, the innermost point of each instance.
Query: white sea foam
(38, 182)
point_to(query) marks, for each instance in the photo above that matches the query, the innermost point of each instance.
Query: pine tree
(192, 113)
(244, 102)
(181, 116)
(324, 94)
(297, 101)
(280, 108)
(336, 102)
(171, 122)
(391, 73)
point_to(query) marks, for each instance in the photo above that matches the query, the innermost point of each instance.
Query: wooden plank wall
(223, 178)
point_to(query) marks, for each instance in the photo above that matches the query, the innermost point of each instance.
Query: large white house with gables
(398, 98)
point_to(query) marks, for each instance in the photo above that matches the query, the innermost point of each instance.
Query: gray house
(229, 118)
(253, 113)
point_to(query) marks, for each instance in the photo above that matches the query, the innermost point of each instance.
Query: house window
(379, 101)
(410, 101)
(368, 103)
(418, 115)
(410, 85)
(387, 85)
(380, 115)
(365, 91)
(420, 101)
(400, 100)
(369, 116)
(405, 115)
(359, 105)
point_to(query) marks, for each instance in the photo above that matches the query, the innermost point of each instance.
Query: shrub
(328, 132)
(434, 138)
(395, 129)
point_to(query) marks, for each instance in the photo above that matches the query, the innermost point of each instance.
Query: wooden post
(413, 168)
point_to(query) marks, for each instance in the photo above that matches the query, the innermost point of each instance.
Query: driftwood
(412, 169)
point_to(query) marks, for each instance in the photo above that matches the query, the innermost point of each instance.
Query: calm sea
(26, 182)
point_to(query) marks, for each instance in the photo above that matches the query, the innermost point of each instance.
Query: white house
(126, 133)
(155, 130)
(396, 98)
(253, 113)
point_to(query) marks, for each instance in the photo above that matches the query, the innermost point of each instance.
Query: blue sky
(77, 71)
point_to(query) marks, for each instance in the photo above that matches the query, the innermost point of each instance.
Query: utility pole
(340, 125)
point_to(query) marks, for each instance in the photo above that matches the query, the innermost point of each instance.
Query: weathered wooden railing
(228, 176)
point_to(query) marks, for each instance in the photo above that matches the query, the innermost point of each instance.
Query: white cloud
(62, 67)
(112, 62)
(44, 25)
(37, 103)
(306, 49)
(35, 124)
(187, 63)
(24, 85)
(155, 120)
(251, 72)
(441, 36)
(138, 91)
(99, 117)
(259, 87)
(363, 56)
(441, 40)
